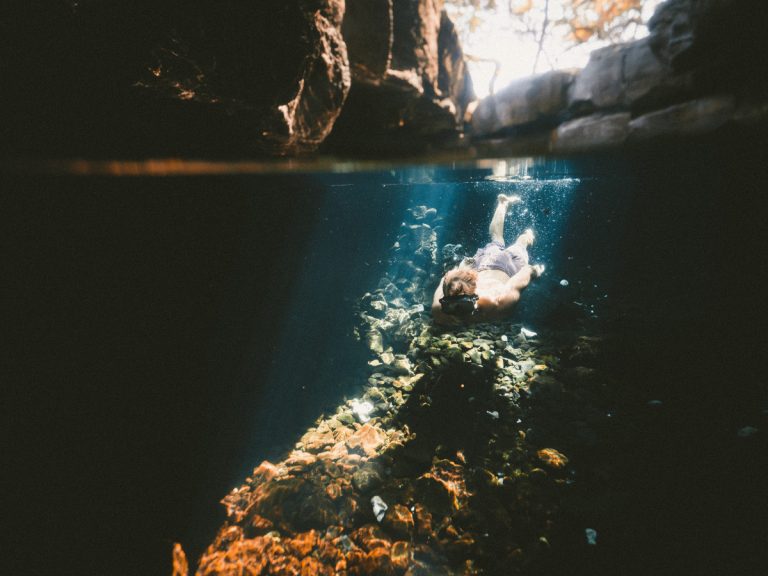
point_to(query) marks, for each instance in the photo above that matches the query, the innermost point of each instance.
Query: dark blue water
(163, 336)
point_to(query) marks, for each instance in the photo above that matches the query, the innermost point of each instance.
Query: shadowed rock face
(410, 81)
(143, 78)
(690, 33)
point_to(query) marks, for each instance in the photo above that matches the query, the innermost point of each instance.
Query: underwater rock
(317, 440)
(375, 342)
(398, 521)
(369, 537)
(299, 459)
(422, 521)
(460, 548)
(552, 458)
(452, 254)
(402, 365)
(423, 213)
(345, 418)
(302, 544)
(180, 564)
(400, 555)
(377, 561)
(366, 441)
(368, 477)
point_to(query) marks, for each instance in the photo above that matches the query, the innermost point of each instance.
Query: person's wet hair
(460, 281)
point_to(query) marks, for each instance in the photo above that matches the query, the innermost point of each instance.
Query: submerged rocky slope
(454, 458)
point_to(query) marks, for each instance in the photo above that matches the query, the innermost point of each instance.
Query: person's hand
(504, 199)
(537, 270)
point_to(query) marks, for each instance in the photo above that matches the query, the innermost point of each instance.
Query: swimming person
(488, 287)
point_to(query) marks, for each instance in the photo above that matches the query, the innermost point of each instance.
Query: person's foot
(504, 199)
(526, 238)
(537, 270)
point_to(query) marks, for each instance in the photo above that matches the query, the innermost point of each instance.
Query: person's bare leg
(496, 229)
(525, 239)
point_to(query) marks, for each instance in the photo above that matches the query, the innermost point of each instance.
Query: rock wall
(410, 81)
(700, 71)
(100, 78)
(142, 78)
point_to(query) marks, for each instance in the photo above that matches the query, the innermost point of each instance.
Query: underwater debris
(564, 283)
(362, 410)
(591, 535)
(747, 431)
(379, 507)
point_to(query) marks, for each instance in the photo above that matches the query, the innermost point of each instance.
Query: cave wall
(100, 78)
(411, 86)
(105, 78)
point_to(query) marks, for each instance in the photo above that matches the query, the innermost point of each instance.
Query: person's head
(461, 281)
(459, 297)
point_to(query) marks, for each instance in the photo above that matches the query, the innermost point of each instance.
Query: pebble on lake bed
(747, 431)
(552, 458)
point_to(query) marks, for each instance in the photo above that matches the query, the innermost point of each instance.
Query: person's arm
(510, 295)
(439, 316)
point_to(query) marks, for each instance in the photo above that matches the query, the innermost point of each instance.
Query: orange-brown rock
(443, 488)
(354, 561)
(261, 524)
(241, 557)
(366, 441)
(318, 440)
(370, 537)
(264, 472)
(328, 552)
(302, 544)
(229, 535)
(461, 548)
(401, 555)
(180, 564)
(398, 520)
(336, 452)
(552, 458)
(423, 521)
(313, 567)
(377, 561)
(300, 459)
(333, 490)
